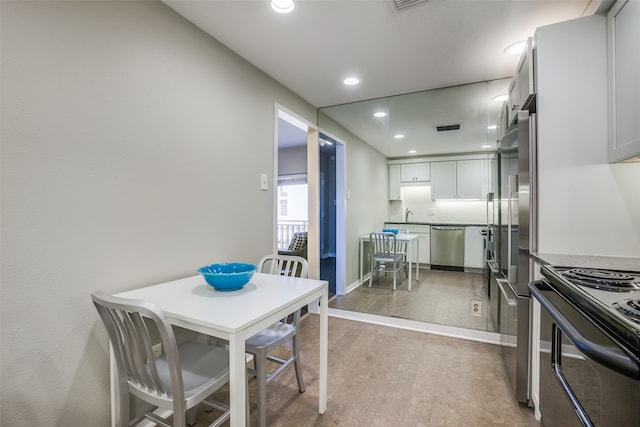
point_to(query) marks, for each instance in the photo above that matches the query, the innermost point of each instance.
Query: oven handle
(614, 359)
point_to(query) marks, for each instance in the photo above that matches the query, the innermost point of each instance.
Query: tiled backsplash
(418, 201)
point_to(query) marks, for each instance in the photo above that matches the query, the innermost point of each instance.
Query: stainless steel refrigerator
(518, 221)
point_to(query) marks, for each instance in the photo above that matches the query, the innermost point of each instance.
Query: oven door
(586, 378)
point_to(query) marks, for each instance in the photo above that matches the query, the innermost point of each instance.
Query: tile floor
(380, 376)
(441, 297)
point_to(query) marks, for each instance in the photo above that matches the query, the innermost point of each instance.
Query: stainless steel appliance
(447, 247)
(517, 237)
(589, 347)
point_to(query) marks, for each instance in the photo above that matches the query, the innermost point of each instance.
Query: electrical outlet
(157, 350)
(476, 307)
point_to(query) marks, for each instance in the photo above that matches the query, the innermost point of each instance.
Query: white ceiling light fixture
(515, 48)
(380, 114)
(351, 81)
(500, 98)
(492, 127)
(485, 146)
(412, 151)
(283, 6)
(398, 136)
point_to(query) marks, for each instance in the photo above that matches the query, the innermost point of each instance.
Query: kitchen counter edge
(588, 261)
(460, 224)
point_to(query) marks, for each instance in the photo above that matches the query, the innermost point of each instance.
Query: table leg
(324, 350)
(417, 241)
(237, 381)
(115, 401)
(410, 256)
(361, 258)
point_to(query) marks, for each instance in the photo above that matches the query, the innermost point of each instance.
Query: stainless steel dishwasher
(447, 247)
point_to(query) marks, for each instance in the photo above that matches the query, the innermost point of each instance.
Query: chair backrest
(131, 340)
(298, 241)
(383, 244)
(284, 265)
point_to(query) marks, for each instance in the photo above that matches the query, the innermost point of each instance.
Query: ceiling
(437, 43)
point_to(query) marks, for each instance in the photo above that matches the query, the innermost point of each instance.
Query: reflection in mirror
(408, 128)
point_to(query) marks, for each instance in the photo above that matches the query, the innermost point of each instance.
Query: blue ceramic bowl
(229, 276)
(390, 230)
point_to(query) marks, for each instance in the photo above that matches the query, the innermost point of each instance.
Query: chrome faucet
(406, 215)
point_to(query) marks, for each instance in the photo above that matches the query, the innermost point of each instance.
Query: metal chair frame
(286, 330)
(186, 375)
(385, 256)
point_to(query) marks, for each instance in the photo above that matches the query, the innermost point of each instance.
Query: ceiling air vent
(401, 5)
(447, 127)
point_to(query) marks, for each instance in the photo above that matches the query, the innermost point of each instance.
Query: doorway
(302, 155)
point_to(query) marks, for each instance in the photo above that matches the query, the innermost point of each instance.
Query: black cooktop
(610, 298)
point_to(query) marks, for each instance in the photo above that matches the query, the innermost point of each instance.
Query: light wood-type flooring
(381, 376)
(440, 297)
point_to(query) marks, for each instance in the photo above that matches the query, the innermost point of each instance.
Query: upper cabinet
(415, 172)
(394, 183)
(460, 179)
(624, 90)
(523, 83)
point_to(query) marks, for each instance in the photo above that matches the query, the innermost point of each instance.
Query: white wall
(424, 209)
(292, 161)
(587, 206)
(126, 161)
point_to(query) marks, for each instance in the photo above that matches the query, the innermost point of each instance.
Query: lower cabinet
(424, 241)
(474, 247)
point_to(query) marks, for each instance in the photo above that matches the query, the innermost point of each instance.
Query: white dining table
(411, 240)
(235, 316)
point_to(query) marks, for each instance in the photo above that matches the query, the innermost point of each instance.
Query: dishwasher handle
(447, 228)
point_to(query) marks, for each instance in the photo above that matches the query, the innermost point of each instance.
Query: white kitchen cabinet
(415, 172)
(424, 241)
(474, 254)
(443, 182)
(394, 183)
(623, 63)
(461, 179)
(523, 82)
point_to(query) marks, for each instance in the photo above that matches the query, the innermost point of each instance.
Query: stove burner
(630, 308)
(601, 279)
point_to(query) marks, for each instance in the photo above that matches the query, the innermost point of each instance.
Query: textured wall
(132, 145)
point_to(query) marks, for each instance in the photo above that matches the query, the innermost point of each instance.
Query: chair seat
(384, 258)
(203, 367)
(269, 336)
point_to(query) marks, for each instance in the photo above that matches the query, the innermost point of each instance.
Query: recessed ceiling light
(500, 98)
(412, 151)
(515, 48)
(398, 136)
(485, 146)
(283, 6)
(492, 127)
(380, 114)
(350, 81)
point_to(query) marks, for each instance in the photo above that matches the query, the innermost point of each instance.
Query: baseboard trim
(414, 325)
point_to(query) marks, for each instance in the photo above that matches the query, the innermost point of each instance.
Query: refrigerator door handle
(512, 186)
(510, 301)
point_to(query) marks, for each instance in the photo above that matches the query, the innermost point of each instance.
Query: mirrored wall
(440, 123)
